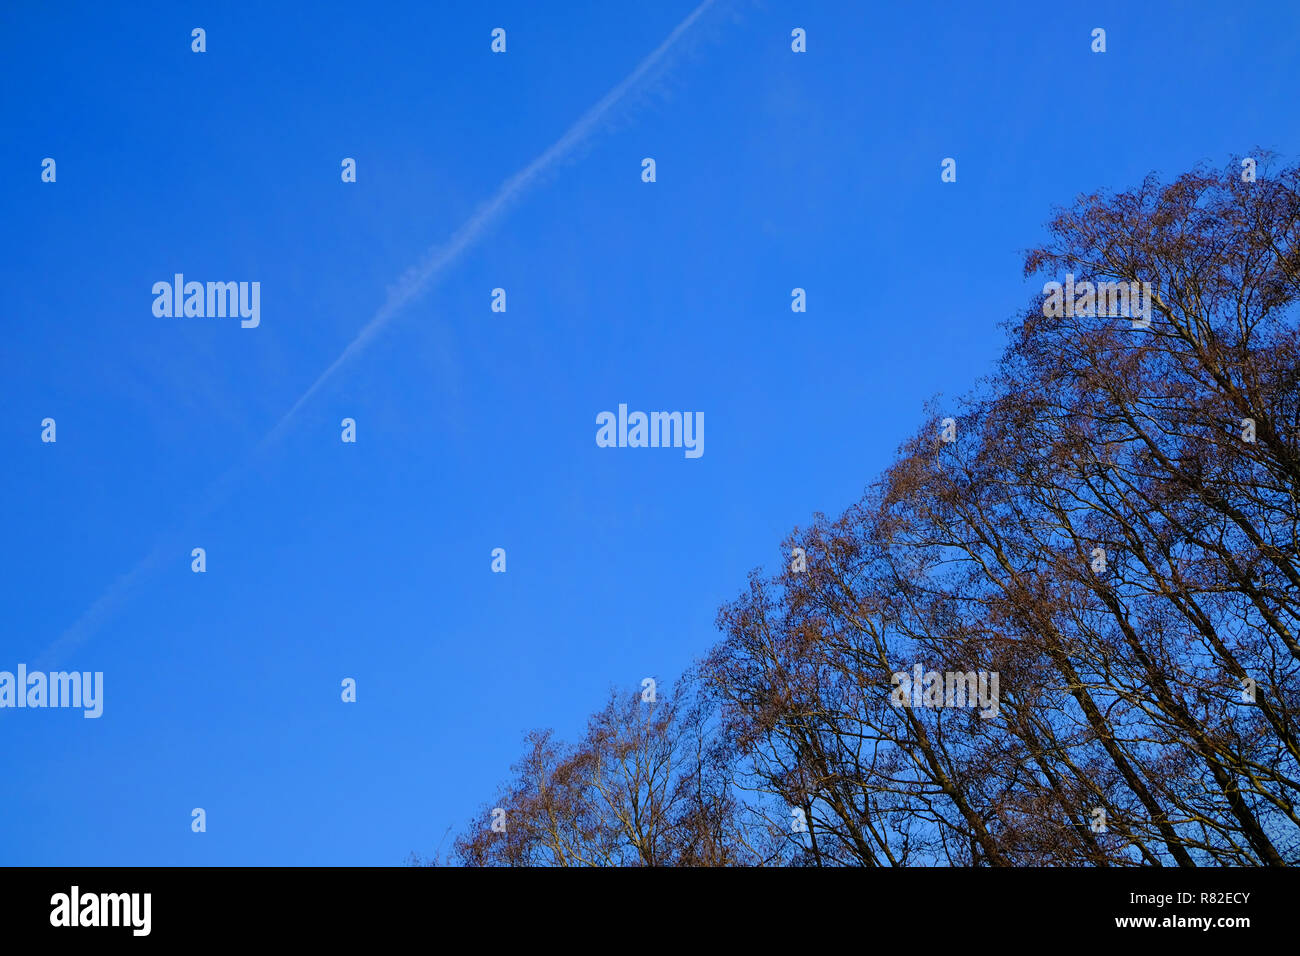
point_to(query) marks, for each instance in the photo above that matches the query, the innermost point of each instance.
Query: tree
(1111, 541)
(644, 787)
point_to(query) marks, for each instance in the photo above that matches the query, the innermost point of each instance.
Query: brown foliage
(1120, 689)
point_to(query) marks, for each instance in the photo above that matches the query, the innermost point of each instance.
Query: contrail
(411, 284)
(438, 258)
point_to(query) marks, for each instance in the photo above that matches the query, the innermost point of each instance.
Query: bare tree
(1111, 532)
(646, 786)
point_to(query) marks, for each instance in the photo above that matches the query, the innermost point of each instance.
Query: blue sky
(475, 429)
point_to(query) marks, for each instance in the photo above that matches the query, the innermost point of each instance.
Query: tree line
(1107, 524)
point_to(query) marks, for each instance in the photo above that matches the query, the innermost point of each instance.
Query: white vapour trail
(414, 281)
(418, 277)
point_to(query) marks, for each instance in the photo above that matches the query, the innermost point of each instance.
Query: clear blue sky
(476, 429)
